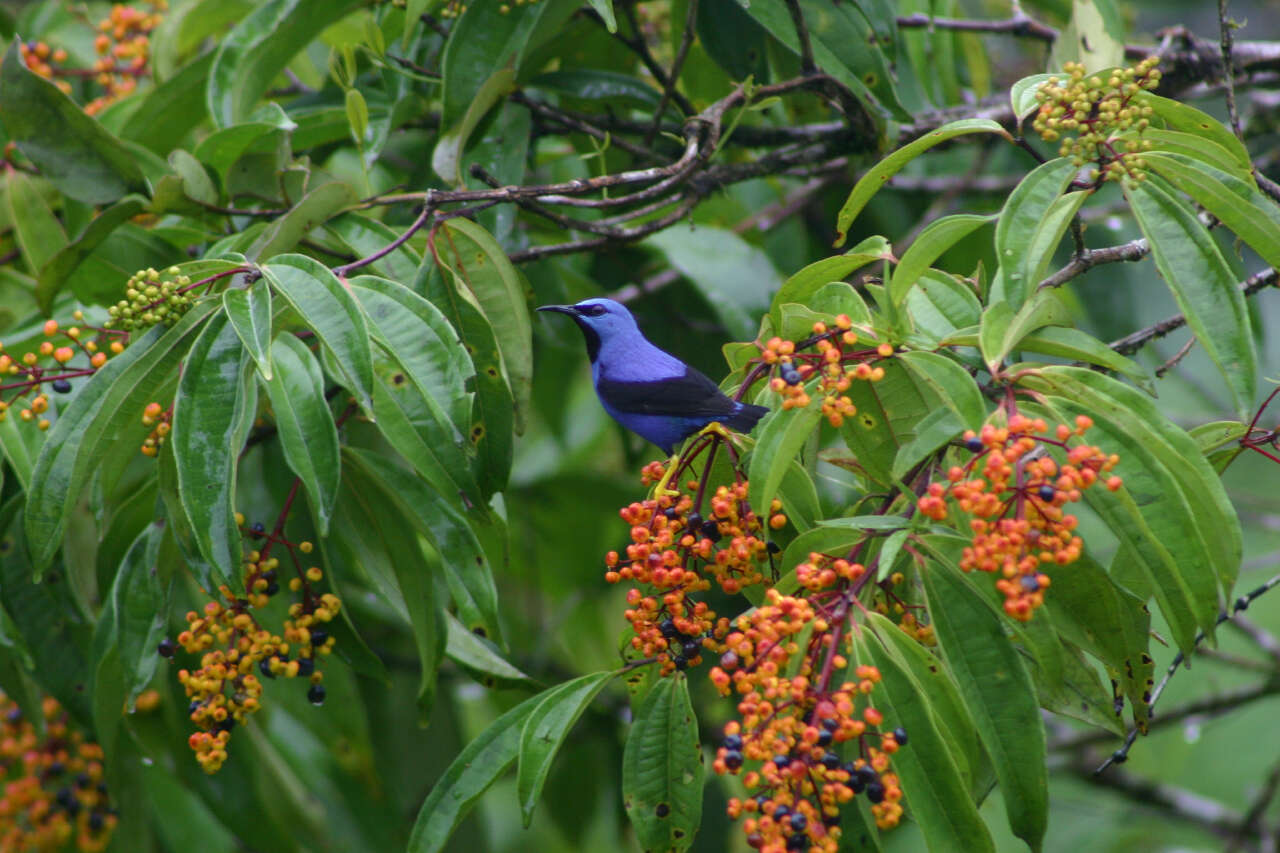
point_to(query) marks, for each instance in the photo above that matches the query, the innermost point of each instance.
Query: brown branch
(1131, 343)
(1019, 25)
(1182, 353)
(1251, 823)
(1134, 250)
(574, 121)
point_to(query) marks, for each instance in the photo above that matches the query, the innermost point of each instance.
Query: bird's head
(600, 320)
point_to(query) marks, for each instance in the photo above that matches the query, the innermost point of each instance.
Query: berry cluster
(151, 298)
(677, 552)
(51, 363)
(1092, 111)
(1016, 503)
(159, 419)
(123, 46)
(42, 59)
(237, 652)
(782, 660)
(834, 366)
(54, 796)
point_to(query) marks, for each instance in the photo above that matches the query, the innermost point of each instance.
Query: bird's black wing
(690, 395)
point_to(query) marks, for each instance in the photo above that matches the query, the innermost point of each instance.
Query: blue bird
(650, 392)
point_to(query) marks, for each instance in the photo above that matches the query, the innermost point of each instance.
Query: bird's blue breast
(666, 431)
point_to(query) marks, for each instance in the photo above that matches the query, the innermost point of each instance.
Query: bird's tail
(746, 418)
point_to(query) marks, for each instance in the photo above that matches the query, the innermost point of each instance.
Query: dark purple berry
(316, 694)
(61, 386)
(875, 792)
(733, 741)
(973, 445)
(165, 648)
(733, 759)
(830, 760)
(1047, 492)
(900, 735)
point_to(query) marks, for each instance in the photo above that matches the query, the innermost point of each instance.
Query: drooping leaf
(802, 285)
(662, 768)
(778, 443)
(478, 262)
(311, 211)
(545, 731)
(103, 420)
(332, 313)
(477, 767)
(937, 237)
(1203, 285)
(249, 310)
(1183, 117)
(958, 390)
(1024, 214)
(59, 268)
(305, 424)
(998, 693)
(212, 413)
(879, 175)
(40, 235)
(934, 787)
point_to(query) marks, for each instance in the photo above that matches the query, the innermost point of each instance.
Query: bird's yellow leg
(716, 428)
(661, 488)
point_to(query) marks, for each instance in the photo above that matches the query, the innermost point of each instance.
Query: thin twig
(1131, 343)
(427, 210)
(638, 46)
(1177, 357)
(677, 64)
(1228, 68)
(1262, 638)
(807, 65)
(1241, 603)
(1251, 823)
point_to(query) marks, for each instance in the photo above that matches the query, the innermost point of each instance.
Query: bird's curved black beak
(561, 309)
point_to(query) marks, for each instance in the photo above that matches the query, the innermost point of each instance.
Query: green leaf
(889, 415)
(39, 233)
(307, 433)
(996, 320)
(185, 27)
(595, 84)
(545, 731)
(1066, 342)
(1094, 37)
(604, 8)
(374, 532)
(477, 260)
(1203, 285)
(935, 429)
(998, 693)
(940, 304)
(312, 210)
(259, 48)
(466, 565)
(1211, 436)
(68, 259)
(332, 313)
(1108, 621)
(937, 237)
(879, 175)
(734, 277)
(480, 657)
(1044, 308)
(934, 787)
(139, 607)
(1020, 246)
(936, 682)
(662, 768)
(249, 310)
(958, 390)
(1177, 115)
(801, 286)
(104, 419)
(489, 429)
(1253, 216)
(212, 414)
(1022, 94)
(485, 41)
(1194, 146)
(778, 443)
(72, 150)
(446, 157)
(172, 109)
(477, 767)
(266, 132)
